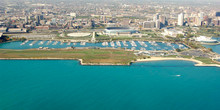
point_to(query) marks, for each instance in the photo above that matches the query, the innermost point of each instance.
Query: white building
(172, 32)
(73, 14)
(1, 34)
(180, 19)
(201, 16)
(204, 39)
(156, 17)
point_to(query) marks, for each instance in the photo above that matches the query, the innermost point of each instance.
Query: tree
(210, 49)
(179, 36)
(178, 50)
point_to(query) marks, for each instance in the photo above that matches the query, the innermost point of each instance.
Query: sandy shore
(198, 63)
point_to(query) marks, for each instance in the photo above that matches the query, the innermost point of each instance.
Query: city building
(157, 24)
(26, 19)
(119, 30)
(162, 20)
(17, 30)
(73, 14)
(172, 32)
(148, 25)
(204, 39)
(156, 17)
(181, 19)
(3, 29)
(1, 34)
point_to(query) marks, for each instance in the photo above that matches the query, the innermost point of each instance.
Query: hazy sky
(127, 1)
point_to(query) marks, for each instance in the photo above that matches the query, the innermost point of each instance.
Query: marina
(132, 45)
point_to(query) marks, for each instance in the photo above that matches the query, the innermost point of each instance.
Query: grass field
(205, 60)
(88, 55)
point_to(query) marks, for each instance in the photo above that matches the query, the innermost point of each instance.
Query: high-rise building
(217, 14)
(41, 17)
(198, 21)
(201, 16)
(162, 19)
(181, 19)
(156, 17)
(157, 24)
(26, 19)
(37, 17)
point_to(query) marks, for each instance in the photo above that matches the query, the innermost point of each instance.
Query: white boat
(61, 43)
(133, 48)
(169, 44)
(118, 43)
(31, 44)
(125, 43)
(24, 42)
(106, 43)
(49, 42)
(133, 44)
(103, 43)
(41, 43)
(83, 43)
(112, 43)
(55, 43)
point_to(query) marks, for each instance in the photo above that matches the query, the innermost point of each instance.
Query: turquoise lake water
(66, 85)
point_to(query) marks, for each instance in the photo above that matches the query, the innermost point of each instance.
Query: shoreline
(80, 61)
(198, 63)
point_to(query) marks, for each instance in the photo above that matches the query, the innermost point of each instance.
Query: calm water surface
(66, 85)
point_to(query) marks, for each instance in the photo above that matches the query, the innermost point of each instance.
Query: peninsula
(96, 56)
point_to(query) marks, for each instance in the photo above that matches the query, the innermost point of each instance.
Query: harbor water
(215, 48)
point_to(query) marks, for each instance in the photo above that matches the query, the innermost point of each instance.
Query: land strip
(94, 56)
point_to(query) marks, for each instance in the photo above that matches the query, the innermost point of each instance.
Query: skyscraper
(26, 19)
(180, 19)
(162, 19)
(158, 24)
(201, 16)
(156, 17)
(37, 17)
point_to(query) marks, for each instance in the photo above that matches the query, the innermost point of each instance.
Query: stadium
(119, 30)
